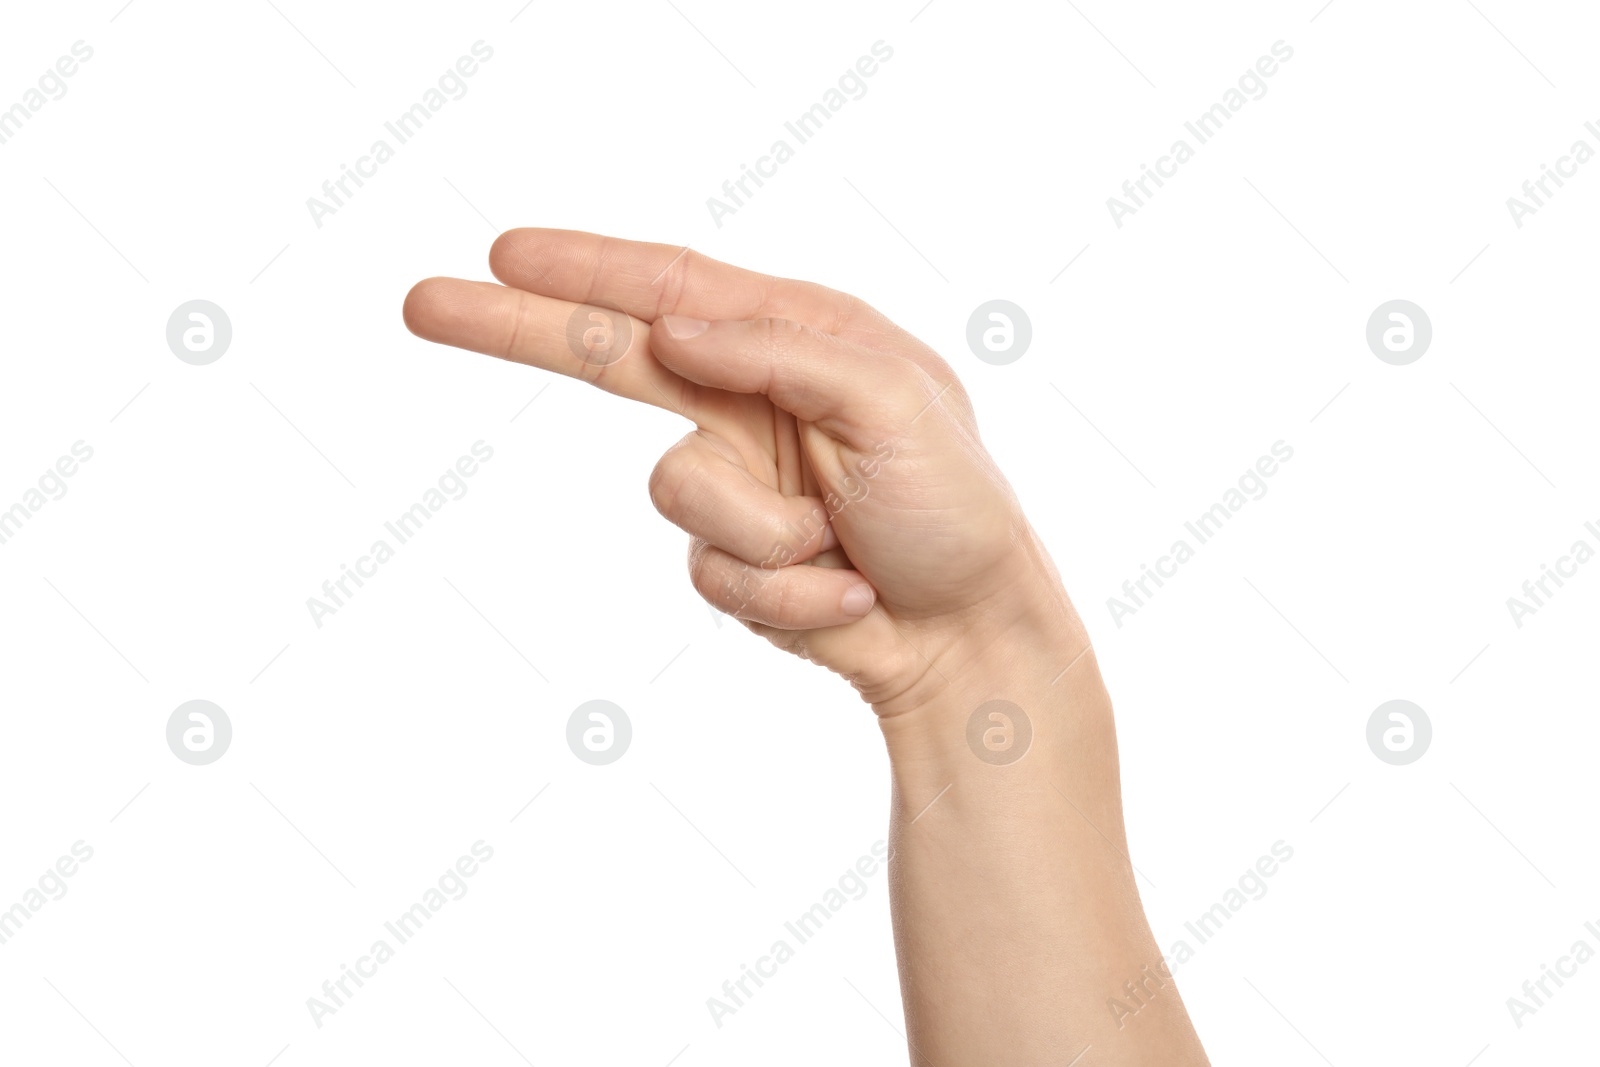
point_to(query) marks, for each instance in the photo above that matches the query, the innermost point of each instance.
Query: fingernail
(830, 539)
(858, 600)
(681, 328)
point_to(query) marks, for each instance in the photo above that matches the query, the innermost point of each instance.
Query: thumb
(851, 392)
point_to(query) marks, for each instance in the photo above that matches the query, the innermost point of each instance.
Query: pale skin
(840, 503)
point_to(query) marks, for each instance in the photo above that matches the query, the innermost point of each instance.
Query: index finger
(649, 280)
(604, 347)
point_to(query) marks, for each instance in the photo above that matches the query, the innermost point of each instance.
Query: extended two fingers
(558, 281)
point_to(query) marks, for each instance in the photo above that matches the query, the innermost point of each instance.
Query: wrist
(1025, 646)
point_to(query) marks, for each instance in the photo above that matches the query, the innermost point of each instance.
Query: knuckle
(916, 388)
(908, 377)
(778, 335)
(791, 534)
(702, 573)
(514, 328)
(672, 481)
(851, 310)
(718, 579)
(674, 281)
(664, 485)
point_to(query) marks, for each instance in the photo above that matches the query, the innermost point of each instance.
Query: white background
(1226, 315)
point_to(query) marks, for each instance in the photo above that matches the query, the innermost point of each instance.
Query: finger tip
(420, 309)
(530, 256)
(504, 247)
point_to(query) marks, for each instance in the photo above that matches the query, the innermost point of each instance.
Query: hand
(841, 505)
(838, 498)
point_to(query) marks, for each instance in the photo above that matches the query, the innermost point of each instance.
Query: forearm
(1016, 912)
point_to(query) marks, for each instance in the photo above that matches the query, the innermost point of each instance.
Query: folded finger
(799, 597)
(702, 486)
